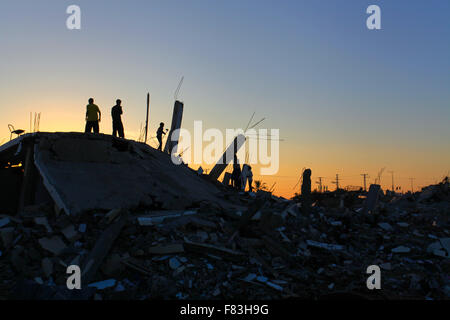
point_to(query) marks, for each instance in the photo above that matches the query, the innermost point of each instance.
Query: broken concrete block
(119, 288)
(101, 285)
(167, 249)
(54, 245)
(227, 157)
(82, 228)
(385, 226)
(47, 267)
(7, 236)
(269, 283)
(17, 260)
(438, 249)
(174, 133)
(445, 242)
(174, 263)
(4, 222)
(70, 233)
(401, 249)
(202, 235)
(250, 277)
(111, 215)
(101, 249)
(159, 217)
(331, 247)
(42, 221)
(386, 266)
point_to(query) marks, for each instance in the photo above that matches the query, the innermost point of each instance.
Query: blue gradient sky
(347, 100)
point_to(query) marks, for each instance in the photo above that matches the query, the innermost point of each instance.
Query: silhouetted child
(159, 135)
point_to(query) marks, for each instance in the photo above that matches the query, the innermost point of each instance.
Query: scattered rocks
(207, 252)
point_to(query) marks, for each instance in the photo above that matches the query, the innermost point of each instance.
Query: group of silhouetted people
(239, 178)
(94, 117)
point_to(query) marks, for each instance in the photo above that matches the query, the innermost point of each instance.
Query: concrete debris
(386, 266)
(211, 246)
(102, 285)
(331, 247)
(110, 216)
(385, 226)
(7, 236)
(401, 249)
(174, 263)
(71, 167)
(54, 245)
(440, 248)
(42, 221)
(4, 222)
(47, 267)
(70, 233)
(159, 217)
(167, 249)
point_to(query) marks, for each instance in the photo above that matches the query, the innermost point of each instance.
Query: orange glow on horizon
(324, 160)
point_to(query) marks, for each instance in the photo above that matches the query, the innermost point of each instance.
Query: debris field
(161, 231)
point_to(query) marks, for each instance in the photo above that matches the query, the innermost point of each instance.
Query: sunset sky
(347, 100)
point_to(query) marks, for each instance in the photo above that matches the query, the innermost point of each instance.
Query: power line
(365, 175)
(336, 182)
(320, 184)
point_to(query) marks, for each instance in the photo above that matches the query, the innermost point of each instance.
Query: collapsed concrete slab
(227, 157)
(174, 133)
(83, 172)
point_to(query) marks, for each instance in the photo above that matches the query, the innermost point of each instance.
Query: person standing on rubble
(250, 179)
(116, 114)
(93, 117)
(236, 175)
(306, 190)
(159, 135)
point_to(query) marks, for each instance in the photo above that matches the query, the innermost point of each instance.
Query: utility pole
(412, 184)
(365, 175)
(320, 184)
(392, 174)
(337, 182)
(146, 121)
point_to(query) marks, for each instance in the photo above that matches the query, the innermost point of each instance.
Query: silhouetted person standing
(236, 175)
(306, 190)
(250, 178)
(116, 114)
(159, 135)
(93, 117)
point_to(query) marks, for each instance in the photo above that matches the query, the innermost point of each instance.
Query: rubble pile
(271, 249)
